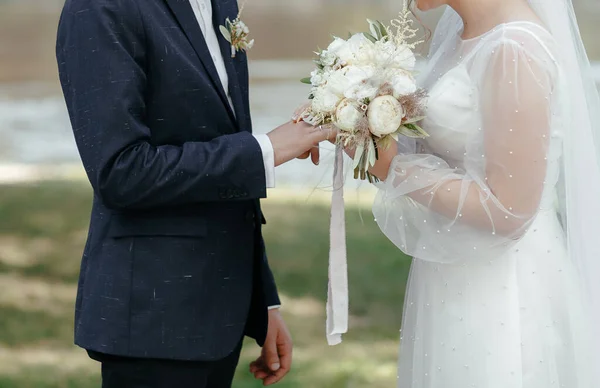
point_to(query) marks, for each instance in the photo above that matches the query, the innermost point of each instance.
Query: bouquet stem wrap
(337, 292)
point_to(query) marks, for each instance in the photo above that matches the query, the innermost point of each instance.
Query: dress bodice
(456, 87)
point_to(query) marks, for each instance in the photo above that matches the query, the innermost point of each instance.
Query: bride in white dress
(500, 205)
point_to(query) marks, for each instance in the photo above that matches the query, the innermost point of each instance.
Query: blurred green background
(45, 204)
(42, 231)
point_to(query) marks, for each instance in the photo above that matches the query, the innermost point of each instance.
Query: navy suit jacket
(174, 266)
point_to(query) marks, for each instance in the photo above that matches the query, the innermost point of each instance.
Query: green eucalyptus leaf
(385, 142)
(418, 129)
(414, 120)
(382, 28)
(372, 153)
(225, 33)
(306, 80)
(360, 149)
(370, 37)
(413, 131)
(374, 28)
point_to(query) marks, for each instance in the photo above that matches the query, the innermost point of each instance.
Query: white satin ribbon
(337, 292)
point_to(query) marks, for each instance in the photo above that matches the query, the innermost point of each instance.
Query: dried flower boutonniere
(236, 32)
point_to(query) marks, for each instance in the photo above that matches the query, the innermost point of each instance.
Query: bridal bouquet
(365, 87)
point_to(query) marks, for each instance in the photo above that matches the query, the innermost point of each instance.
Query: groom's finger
(259, 369)
(285, 356)
(271, 358)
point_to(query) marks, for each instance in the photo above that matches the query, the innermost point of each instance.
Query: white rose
(324, 101)
(402, 84)
(347, 115)
(385, 115)
(328, 58)
(317, 77)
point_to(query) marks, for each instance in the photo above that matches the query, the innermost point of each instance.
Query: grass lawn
(42, 232)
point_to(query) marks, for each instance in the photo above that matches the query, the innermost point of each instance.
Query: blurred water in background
(34, 127)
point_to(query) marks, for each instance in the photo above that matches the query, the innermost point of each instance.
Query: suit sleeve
(269, 286)
(101, 60)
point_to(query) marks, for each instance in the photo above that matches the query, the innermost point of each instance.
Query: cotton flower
(385, 115)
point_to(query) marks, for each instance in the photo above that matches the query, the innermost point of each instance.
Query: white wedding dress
(493, 299)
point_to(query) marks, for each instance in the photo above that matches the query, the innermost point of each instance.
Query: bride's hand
(297, 116)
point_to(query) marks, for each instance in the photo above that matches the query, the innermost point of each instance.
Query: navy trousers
(126, 372)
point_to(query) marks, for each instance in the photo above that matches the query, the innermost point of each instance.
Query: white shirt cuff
(274, 307)
(268, 158)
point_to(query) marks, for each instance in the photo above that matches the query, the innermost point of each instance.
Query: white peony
(362, 92)
(358, 50)
(404, 59)
(385, 115)
(338, 83)
(383, 53)
(402, 84)
(362, 49)
(336, 45)
(341, 49)
(389, 55)
(348, 79)
(324, 101)
(347, 115)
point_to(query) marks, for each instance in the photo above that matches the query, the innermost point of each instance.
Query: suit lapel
(189, 24)
(223, 9)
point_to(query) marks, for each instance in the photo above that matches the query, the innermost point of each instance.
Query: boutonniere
(236, 33)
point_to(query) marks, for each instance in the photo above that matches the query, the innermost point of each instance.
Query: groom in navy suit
(174, 272)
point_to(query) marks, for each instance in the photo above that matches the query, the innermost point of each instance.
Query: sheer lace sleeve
(438, 212)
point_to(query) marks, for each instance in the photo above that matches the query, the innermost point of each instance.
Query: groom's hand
(294, 139)
(275, 360)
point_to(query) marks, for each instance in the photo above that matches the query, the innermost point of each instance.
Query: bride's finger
(304, 155)
(315, 155)
(297, 116)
